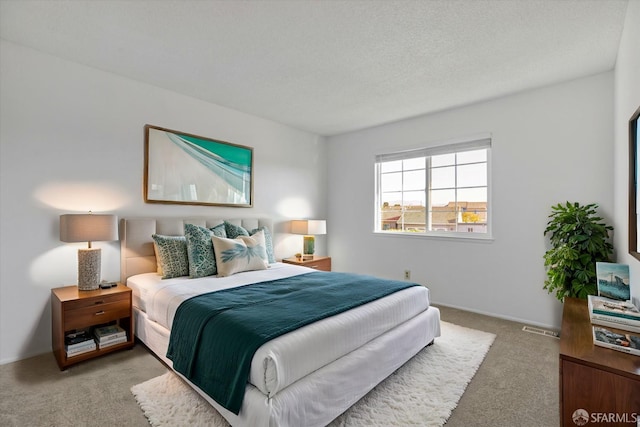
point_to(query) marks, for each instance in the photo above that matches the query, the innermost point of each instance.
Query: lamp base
(308, 246)
(88, 269)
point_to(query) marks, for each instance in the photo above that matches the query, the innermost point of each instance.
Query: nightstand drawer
(97, 313)
(322, 264)
(316, 262)
(96, 301)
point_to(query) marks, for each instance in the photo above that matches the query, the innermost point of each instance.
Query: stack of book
(76, 343)
(109, 335)
(615, 319)
(614, 314)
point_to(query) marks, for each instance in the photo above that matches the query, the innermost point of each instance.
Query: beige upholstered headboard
(136, 245)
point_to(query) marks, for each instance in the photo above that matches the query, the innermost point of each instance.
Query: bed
(305, 377)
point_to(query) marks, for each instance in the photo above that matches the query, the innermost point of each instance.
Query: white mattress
(286, 359)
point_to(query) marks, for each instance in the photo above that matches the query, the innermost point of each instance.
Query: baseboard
(500, 316)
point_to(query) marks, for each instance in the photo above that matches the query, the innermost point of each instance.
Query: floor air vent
(541, 331)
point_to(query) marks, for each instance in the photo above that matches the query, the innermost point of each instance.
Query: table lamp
(309, 228)
(88, 228)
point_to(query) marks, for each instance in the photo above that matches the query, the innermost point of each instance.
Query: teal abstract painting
(189, 169)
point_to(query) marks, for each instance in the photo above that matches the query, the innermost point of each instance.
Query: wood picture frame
(634, 165)
(182, 168)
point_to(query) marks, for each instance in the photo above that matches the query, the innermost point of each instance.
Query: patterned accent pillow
(171, 254)
(202, 261)
(219, 230)
(234, 231)
(241, 254)
(268, 240)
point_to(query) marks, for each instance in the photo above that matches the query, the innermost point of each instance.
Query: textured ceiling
(329, 67)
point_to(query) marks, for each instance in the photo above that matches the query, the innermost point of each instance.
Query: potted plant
(579, 239)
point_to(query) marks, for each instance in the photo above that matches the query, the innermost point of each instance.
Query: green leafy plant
(579, 239)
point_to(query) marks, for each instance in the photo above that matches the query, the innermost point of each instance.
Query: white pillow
(243, 253)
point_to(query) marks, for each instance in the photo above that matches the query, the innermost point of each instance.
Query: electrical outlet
(407, 275)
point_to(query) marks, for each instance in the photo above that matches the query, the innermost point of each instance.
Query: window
(440, 190)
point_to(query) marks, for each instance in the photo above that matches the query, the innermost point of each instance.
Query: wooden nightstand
(73, 310)
(317, 262)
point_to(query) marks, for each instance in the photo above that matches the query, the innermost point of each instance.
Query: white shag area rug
(423, 392)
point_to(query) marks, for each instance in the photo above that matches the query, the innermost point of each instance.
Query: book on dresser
(613, 313)
(619, 340)
(616, 323)
(109, 334)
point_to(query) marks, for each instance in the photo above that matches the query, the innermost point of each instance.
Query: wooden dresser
(592, 378)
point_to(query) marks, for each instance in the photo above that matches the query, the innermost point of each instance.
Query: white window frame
(459, 145)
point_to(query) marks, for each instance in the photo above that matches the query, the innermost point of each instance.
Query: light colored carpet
(423, 392)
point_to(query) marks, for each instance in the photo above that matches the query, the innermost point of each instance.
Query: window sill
(475, 237)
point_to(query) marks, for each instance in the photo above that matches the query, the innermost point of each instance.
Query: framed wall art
(182, 168)
(634, 185)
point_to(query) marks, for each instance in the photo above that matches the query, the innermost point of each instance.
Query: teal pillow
(171, 254)
(202, 261)
(219, 230)
(234, 231)
(268, 239)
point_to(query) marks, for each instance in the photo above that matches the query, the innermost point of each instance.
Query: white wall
(627, 100)
(549, 145)
(71, 140)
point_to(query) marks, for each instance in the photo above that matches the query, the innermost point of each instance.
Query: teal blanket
(214, 336)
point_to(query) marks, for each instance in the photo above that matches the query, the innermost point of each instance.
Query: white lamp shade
(88, 228)
(309, 227)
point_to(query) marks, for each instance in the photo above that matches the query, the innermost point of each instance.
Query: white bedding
(284, 360)
(160, 298)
